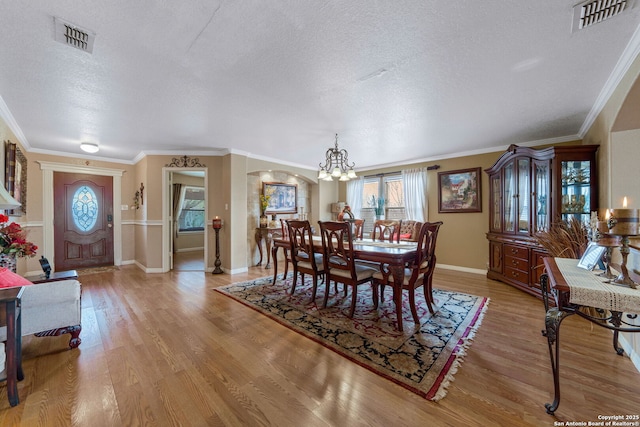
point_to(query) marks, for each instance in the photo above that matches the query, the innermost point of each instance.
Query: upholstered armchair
(409, 230)
(51, 309)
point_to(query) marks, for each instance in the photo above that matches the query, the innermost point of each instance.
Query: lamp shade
(337, 207)
(6, 201)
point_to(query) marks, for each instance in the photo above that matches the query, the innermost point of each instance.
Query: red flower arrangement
(13, 239)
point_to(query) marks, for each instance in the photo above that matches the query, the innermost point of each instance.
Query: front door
(83, 220)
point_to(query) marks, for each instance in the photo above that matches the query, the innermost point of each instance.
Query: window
(191, 216)
(84, 208)
(382, 196)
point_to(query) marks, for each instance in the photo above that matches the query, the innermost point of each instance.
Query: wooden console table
(266, 234)
(574, 288)
(10, 316)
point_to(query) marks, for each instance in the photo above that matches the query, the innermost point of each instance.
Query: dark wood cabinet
(529, 189)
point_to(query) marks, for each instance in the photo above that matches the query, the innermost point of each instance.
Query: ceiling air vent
(593, 11)
(74, 36)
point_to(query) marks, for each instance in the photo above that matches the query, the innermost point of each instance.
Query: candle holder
(608, 242)
(217, 225)
(624, 223)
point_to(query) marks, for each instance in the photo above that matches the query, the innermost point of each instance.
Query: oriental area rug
(422, 359)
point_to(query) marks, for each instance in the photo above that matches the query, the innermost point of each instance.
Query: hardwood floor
(188, 261)
(165, 349)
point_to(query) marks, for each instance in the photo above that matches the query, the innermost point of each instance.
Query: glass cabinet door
(541, 196)
(524, 195)
(576, 190)
(509, 195)
(496, 202)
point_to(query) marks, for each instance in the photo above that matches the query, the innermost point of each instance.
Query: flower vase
(263, 221)
(8, 261)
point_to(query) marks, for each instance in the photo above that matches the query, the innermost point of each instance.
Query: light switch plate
(124, 207)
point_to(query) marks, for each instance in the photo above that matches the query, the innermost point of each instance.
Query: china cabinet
(529, 190)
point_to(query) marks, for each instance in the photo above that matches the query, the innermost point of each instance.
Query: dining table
(395, 256)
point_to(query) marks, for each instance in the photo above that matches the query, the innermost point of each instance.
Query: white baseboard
(237, 270)
(633, 355)
(201, 248)
(148, 270)
(463, 269)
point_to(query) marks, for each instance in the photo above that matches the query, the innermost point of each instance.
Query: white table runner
(401, 245)
(592, 291)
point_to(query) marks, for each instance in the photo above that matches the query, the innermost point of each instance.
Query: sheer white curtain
(355, 187)
(414, 183)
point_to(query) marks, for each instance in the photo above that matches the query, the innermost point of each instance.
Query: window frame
(368, 212)
(183, 193)
(382, 181)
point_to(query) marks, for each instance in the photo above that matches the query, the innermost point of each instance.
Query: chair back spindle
(386, 230)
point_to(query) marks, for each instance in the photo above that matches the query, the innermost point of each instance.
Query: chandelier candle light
(624, 223)
(336, 165)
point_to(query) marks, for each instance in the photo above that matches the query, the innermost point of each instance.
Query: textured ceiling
(397, 80)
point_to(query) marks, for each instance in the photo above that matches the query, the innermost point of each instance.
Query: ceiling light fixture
(336, 165)
(89, 147)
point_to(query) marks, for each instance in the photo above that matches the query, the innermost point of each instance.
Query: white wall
(625, 169)
(625, 177)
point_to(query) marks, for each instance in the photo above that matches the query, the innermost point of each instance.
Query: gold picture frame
(284, 198)
(15, 177)
(460, 191)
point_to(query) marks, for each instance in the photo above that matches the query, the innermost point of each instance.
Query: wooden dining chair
(339, 262)
(358, 228)
(286, 246)
(386, 230)
(304, 258)
(419, 272)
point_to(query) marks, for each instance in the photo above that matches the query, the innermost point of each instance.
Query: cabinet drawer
(517, 263)
(516, 252)
(517, 275)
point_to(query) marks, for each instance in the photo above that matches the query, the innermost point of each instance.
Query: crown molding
(629, 55)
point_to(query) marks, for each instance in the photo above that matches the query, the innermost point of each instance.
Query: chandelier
(336, 165)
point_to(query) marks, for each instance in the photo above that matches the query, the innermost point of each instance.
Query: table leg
(286, 263)
(19, 372)
(268, 241)
(274, 252)
(616, 320)
(12, 362)
(258, 238)
(397, 271)
(552, 321)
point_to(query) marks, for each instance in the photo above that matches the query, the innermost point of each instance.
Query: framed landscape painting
(460, 191)
(284, 198)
